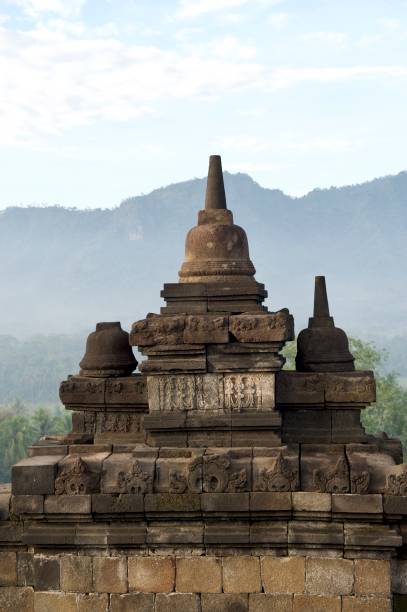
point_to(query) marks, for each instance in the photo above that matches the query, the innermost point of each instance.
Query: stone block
(399, 576)
(110, 574)
(324, 468)
(127, 390)
(368, 467)
(225, 503)
(316, 603)
(395, 505)
(91, 534)
(283, 574)
(76, 573)
(172, 504)
(371, 536)
(206, 329)
(350, 388)
(276, 469)
(67, 504)
(79, 475)
(311, 502)
(79, 390)
(179, 471)
(126, 533)
(124, 473)
(177, 602)
(399, 603)
(224, 602)
(8, 569)
(151, 574)
(300, 388)
(35, 475)
(132, 602)
(241, 574)
(199, 575)
(307, 426)
(311, 533)
(46, 573)
(4, 506)
(372, 577)
(269, 532)
(366, 604)
(262, 327)
(357, 504)
(92, 602)
(25, 569)
(329, 576)
(275, 504)
(117, 504)
(266, 602)
(346, 427)
(16, 599)
(27, 504)
(52, 602)
(227, 532)
(227, 470)
(175, 533)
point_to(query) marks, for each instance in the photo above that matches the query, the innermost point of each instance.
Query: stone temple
(212, 480)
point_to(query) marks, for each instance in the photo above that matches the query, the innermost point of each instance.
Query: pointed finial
(321, 306)
(215, 191)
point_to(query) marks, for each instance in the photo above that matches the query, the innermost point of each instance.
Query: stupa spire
(215, 197)
(321, 306)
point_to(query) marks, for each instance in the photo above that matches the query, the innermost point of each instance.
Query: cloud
(325, 36)
(64, 8)
(278, 20)
(191, 9)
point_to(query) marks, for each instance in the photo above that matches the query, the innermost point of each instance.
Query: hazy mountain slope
(61, 270)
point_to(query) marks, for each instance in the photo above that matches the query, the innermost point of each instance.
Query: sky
(105, 99)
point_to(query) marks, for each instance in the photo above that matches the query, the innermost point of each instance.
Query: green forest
(37, 413)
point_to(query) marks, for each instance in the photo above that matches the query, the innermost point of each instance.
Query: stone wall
(192, 583)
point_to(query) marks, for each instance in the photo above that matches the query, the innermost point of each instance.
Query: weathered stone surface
(172, 503)
(368, 468)
(67, 504)
(82, 390)
(324, 468)
(4, 506)
(372, 536)
(276, 469)
(8, 569)
(300, 388)
(27, 504)
(269, 532)
(131, 602)
(175, 533)
(245, 358)
(79, 475)
(283, 575)
(315, 533)
(206, 329)
(35, 475)
(17, 598)
(126, 533)
(307, 426)
(241, 574)
(25, 569)
(76, 573)
(158, 330)
(50, 602)
(372, 577)
(179, 471)
(262, 602)
(92, 602)
(227, 532)
(316, 603)
(350, 388)
(357, 504)
(151, 574)
(46, 573)
(220, 503)
(199, 575)
(224, 602)
(395, 504)
(176, 602)
(366, 604)
(396, 480)
(329, 576)
(110, 574)
(304, 501)
(399, 576)
(262, 327)
(399, 603)
(186, 392)
(117, 504)
(227, 470)
(124, 473)
(275, 504)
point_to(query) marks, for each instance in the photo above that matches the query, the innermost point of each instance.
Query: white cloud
(325, 36)
(390, 23)
(191, 9)
(230, 46)
(278, 20)
(64, 8)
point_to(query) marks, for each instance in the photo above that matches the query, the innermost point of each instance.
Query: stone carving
(359, 482)
(243, 392)
(89, 422)
(119, 422)
(396, 483)
(282, 477)
(135, 482)
(158, 330)
(352, 387)
(218, 477)
(206, 329)
(267, 327)
(335, 480)
(75, 479)
(185, 392)
(181, 482)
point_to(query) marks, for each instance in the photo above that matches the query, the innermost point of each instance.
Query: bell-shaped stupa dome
(216, 250)
(108, 352)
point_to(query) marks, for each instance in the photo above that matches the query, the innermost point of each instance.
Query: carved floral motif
(190, 479)
(75, 479)
(218, 477)
(359, 483)
(282, 477)
(396, 484)
(136, 481)
(335, 480)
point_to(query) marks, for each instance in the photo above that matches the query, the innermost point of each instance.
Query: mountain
(61, 270)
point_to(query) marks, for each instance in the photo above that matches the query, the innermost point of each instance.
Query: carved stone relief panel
(187, 392)
(179, 471)
(276, 469)
(228, 471)
(125, 473)
(118, 422)
(249, 392)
